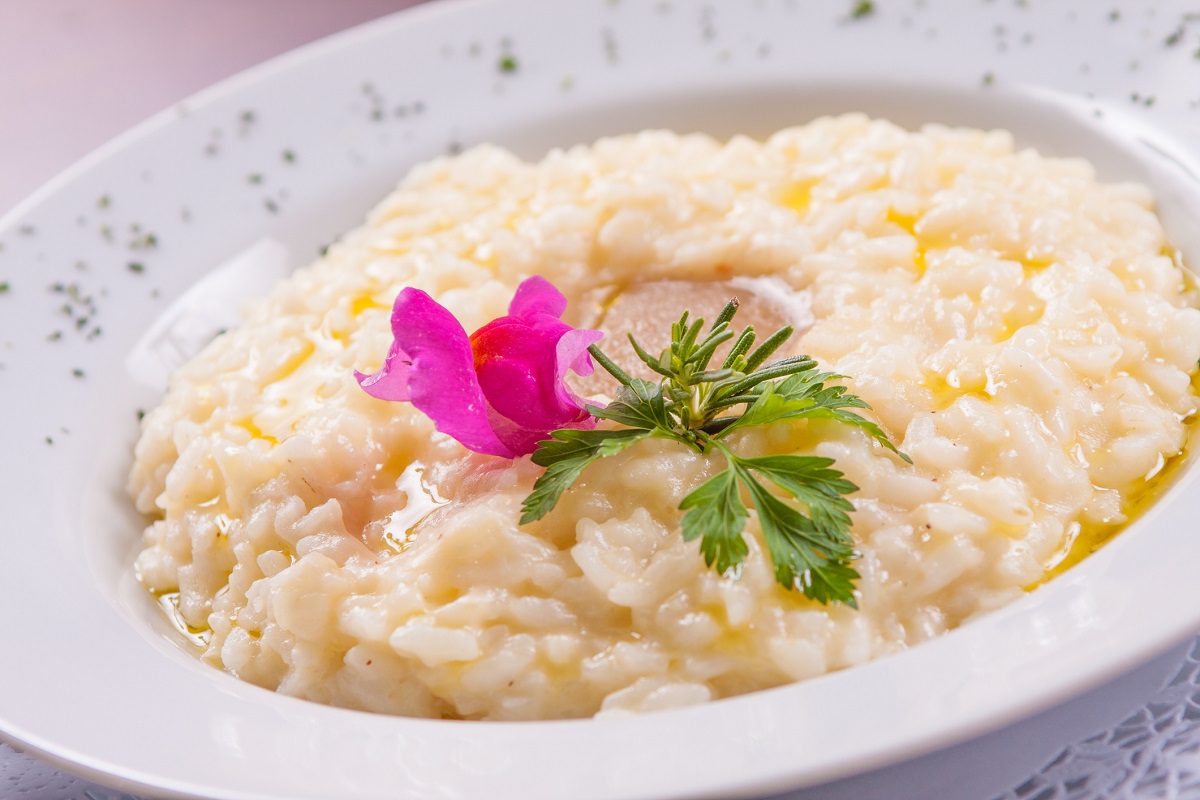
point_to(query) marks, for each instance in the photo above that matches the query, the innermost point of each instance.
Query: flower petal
(501, 390)
(391, 381)
(518, 369)
(441, 377)
(536, 294)
(571, 353)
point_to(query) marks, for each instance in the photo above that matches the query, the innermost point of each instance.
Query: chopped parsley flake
(147, 241)
(508, 64)
(136, 267)
(4, 287)
(862, 9)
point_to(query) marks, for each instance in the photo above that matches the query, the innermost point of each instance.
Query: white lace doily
(1153, 753)
(1150, 754)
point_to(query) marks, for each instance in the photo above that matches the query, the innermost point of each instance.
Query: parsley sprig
(802, 507)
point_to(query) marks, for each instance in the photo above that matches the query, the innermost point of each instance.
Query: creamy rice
(1022, 332)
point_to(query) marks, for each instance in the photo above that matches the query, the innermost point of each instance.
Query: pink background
(78, 72)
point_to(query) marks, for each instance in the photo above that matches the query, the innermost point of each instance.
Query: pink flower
(499, 391)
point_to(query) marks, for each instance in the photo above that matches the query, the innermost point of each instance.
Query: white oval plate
(300, 148)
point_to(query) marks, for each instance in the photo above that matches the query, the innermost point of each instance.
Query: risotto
(1021, 331)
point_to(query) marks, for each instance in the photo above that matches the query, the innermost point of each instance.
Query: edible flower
(500, 390)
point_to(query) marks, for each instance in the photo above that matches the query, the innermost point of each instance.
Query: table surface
(79, 72)
(141, 56)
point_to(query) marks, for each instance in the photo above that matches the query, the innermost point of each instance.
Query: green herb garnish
(862, 9)
(802, 509)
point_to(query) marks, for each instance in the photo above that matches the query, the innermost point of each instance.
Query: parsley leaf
(638, 405)
(565, 456)
(716, 515)
(804, 557)
(811, 481)
(805, 396)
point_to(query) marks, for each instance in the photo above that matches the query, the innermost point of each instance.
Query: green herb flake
(508, 64)
(5, 287)
(862, 9)
(146, 241)
(806, 529)
(289, 156)
(136, 267)
(104, 202)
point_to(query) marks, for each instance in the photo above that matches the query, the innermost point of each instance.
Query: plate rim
(413, 17)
